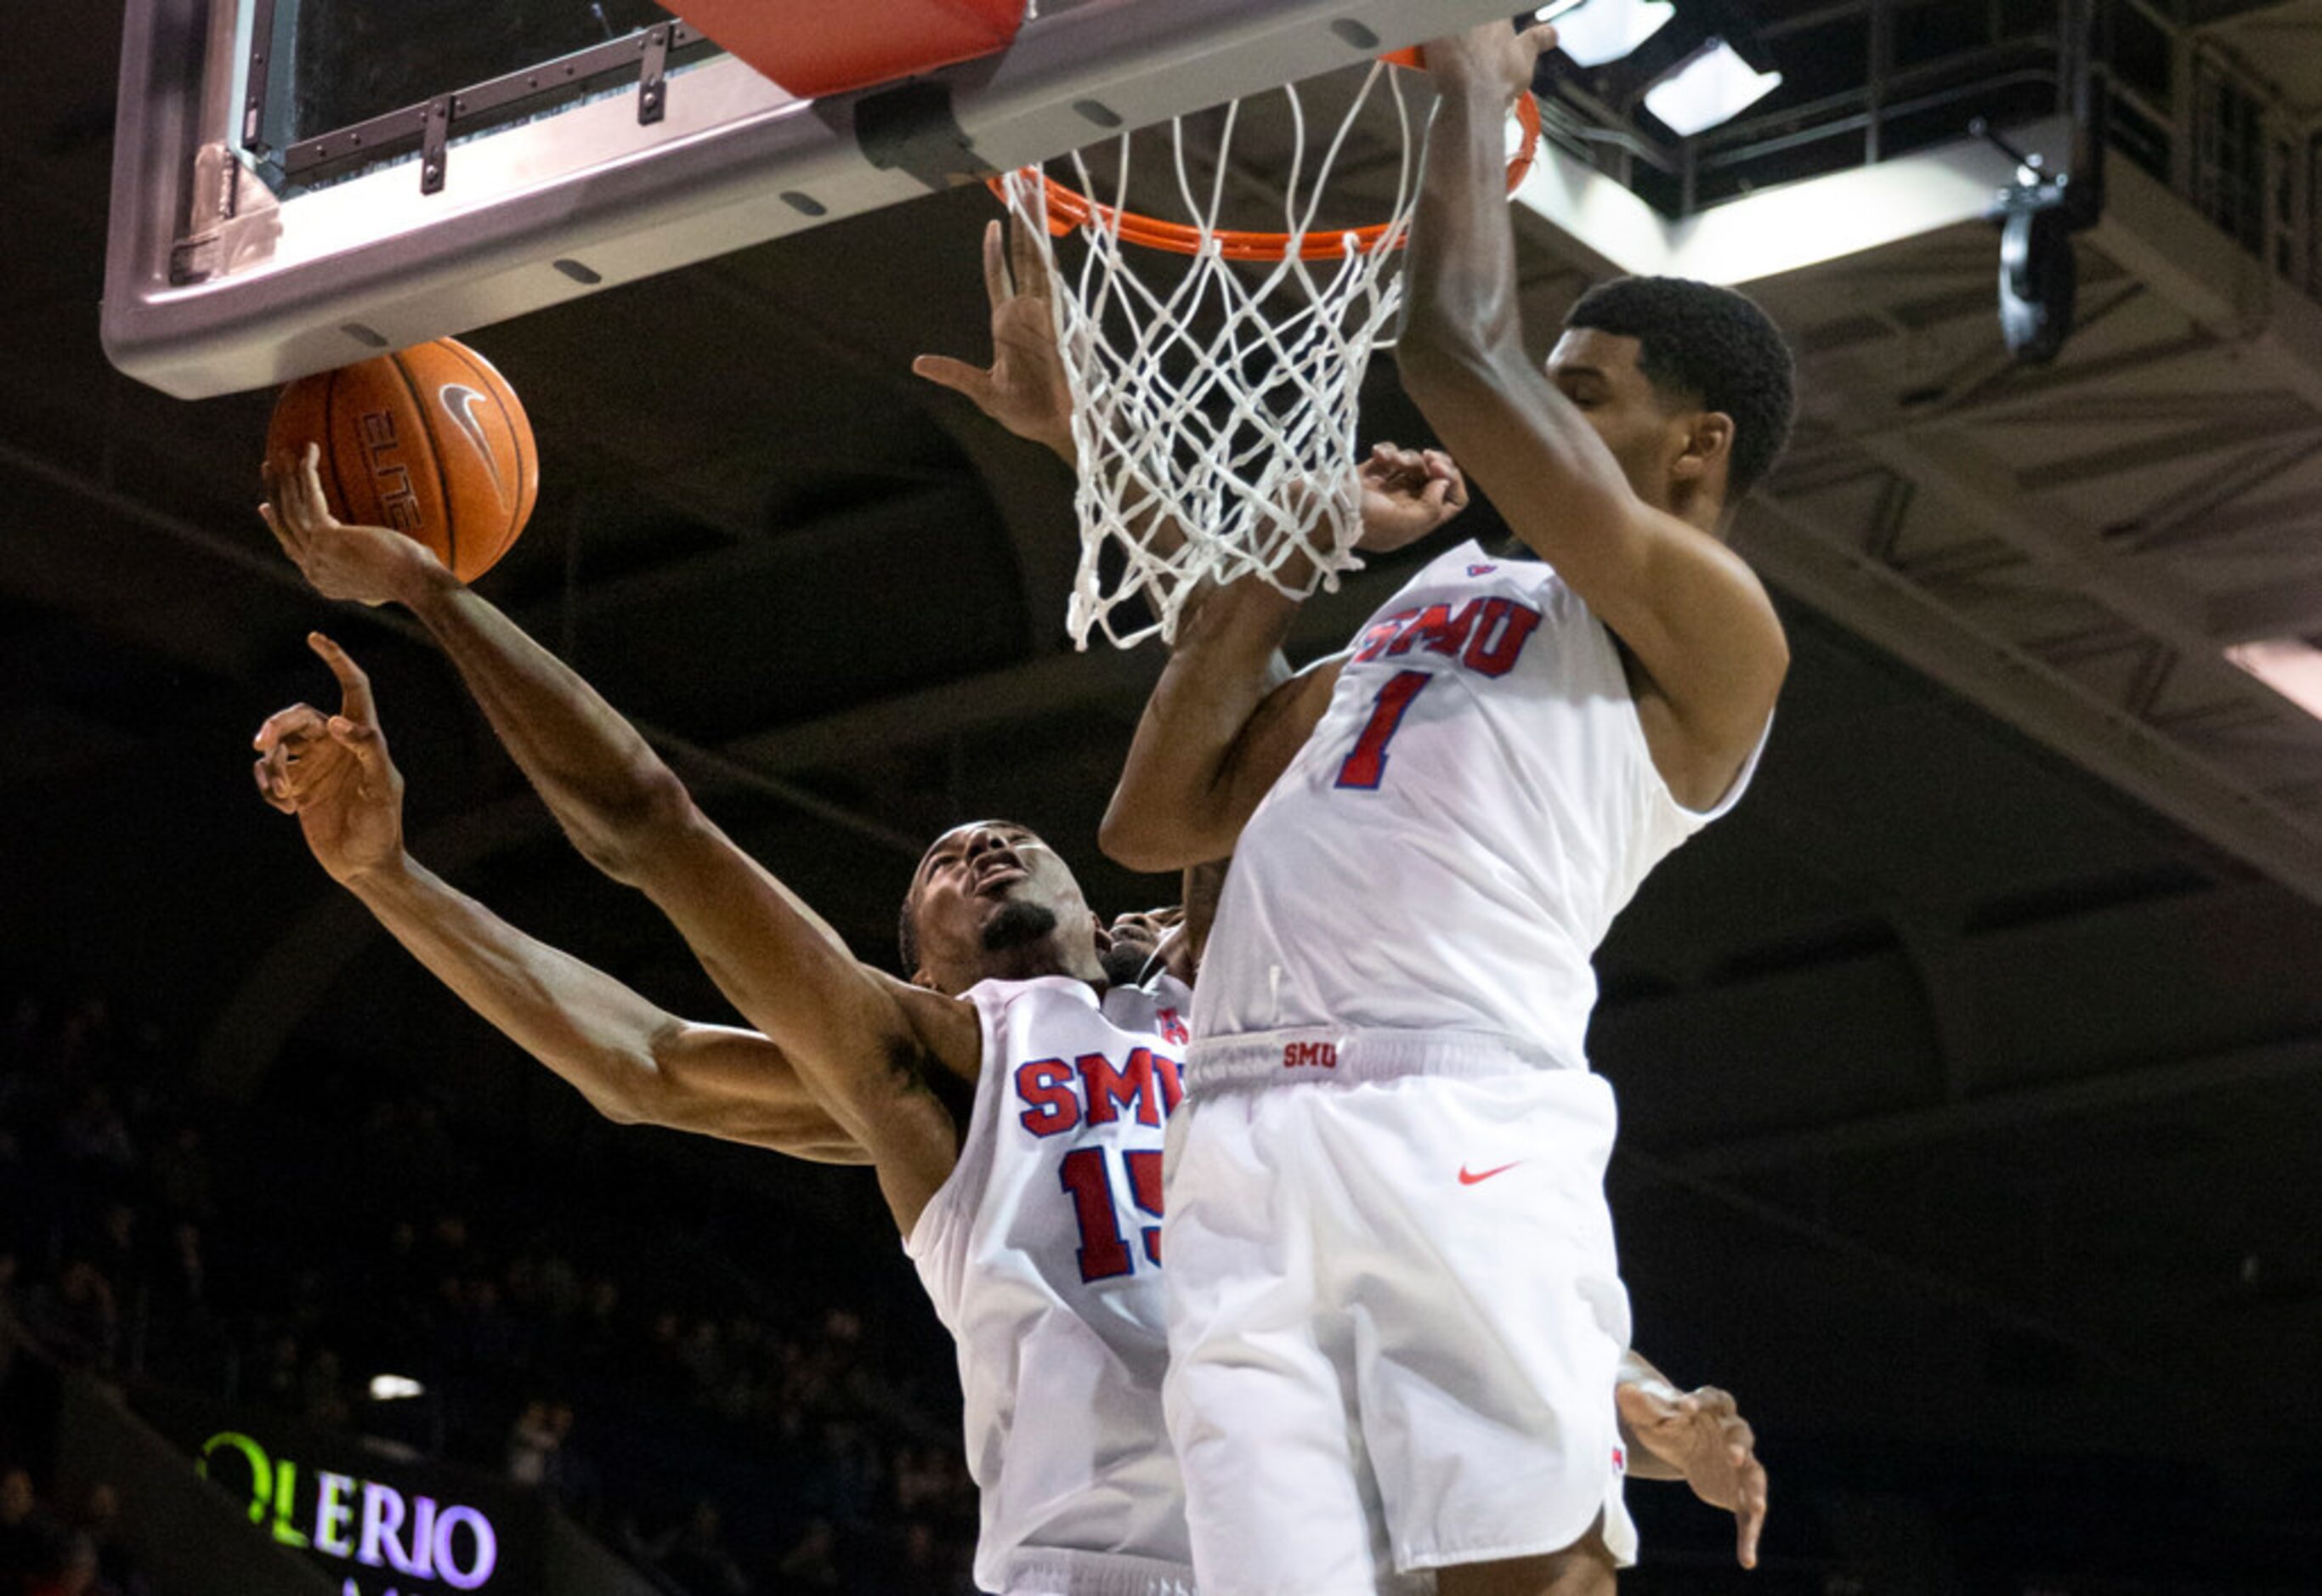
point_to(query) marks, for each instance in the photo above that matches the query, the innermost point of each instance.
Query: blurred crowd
(729, 1431)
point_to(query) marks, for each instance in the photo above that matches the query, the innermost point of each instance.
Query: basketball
(430, 441)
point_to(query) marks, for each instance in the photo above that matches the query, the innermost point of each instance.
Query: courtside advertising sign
(376, 1523)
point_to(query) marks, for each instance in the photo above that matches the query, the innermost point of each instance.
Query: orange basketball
(430, 441)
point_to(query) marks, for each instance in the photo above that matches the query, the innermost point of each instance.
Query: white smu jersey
(1042, 1254)
(1452, 842)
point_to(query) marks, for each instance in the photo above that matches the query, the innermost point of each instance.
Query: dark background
(1971, 1106)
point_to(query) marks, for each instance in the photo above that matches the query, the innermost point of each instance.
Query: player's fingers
(285, 491)
(1749, 1519)
(363, 742)
(281, 533)
(269, 787)
(309, 497)
(1538, 38)
(299, 719)
(354, 685)
(281, 518)
(958, 376)
(996, 286)
(1025, 259)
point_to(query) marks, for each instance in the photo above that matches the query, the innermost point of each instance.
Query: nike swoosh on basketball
(1469, 1179)
(460, 402)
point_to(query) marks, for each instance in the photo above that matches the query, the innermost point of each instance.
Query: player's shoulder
(1157, 1002)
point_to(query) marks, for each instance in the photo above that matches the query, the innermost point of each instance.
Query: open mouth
(996, 877)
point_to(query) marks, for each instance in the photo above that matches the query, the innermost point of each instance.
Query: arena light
(2290, 666)
(1712, 86)
(1599, 31)
(395, 1388)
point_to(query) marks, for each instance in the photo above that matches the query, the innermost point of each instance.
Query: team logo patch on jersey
(1173, 1029)
(1620, 1461)
(1481, 571)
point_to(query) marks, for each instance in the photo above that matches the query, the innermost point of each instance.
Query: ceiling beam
(2111, 1092)
(1824, 567)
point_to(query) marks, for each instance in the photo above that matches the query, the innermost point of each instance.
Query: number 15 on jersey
(1086, 1176)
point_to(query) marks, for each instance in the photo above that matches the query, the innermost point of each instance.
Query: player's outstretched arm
(1690, 611)
(1698, 1436)
(872, 1049)
(635, 1063)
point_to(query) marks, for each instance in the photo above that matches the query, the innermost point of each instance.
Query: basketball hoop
(1212, 453)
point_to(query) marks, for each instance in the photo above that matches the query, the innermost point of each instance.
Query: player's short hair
(1709, 344)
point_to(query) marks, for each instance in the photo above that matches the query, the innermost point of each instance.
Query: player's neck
(1037, 959)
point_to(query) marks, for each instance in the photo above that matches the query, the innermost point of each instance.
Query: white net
(1215, 415)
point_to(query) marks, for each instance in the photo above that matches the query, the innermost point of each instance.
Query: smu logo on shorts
(1486, 635)
(1311, 1055)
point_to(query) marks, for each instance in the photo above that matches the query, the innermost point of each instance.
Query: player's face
(1650, 434)
(986, 890)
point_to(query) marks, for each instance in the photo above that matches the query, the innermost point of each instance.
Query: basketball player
(1022, 1096)
(1394, 1308)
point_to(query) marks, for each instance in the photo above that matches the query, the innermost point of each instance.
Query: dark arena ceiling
(1973, 1095)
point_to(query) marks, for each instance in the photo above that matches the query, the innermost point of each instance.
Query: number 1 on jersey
(1365, 767)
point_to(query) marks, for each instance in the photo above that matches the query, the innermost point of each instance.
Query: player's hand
(1146, 928)
(1492, 56)
(367, 564)
(1702, 1435)
(333, 772)
(1024, 389)
(1407, 493)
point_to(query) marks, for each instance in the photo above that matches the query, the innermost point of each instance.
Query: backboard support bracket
(911, 128)
(255, 78)
(653, 75)
(234, 220)
(434, 144)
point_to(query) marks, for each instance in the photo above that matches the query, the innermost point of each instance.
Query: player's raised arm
(1227, 717)
(635, 1063)
(1634, 533)
(874, 1050)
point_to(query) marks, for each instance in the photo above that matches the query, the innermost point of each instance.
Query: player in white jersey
(1034, 1218)
(1394, 1304)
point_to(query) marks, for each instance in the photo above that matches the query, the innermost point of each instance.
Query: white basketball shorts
(1395, 1320)
(1046, 1572)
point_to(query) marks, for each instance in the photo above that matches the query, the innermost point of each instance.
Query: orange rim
(1069, 208)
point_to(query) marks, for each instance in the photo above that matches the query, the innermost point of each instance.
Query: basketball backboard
(302, 183)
